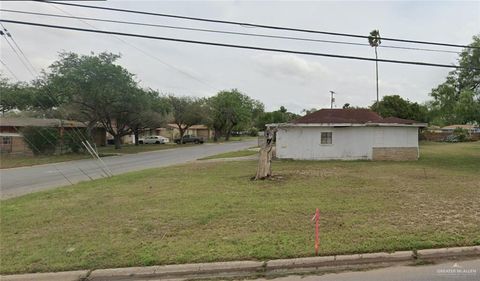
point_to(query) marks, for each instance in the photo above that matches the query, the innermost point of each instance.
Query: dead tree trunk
(264, 169)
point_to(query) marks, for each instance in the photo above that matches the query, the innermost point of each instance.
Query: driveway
(18, 181)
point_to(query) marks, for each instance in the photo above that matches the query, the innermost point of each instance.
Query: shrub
(72, 140)
(460, 134)
(41, 140)
(253, 132)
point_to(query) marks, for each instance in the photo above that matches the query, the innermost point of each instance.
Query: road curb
(453, 252)
(257, 268)
(51, 276)
(235, 268)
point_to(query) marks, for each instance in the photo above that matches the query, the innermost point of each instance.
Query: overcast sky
(295, 81)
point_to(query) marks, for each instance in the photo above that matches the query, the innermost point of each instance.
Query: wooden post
(264, 169)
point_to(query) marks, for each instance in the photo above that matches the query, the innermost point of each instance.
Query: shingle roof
(359, 116)
(397, 120)
(193, 127)
(453, 127)
(37, 122)
(348, 116)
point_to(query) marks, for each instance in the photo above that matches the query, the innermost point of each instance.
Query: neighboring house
(13, 141)
(347, 134)
(469, 128)
(171, 131)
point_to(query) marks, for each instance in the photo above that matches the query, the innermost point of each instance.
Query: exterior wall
(204, 133)
(348, 143)
(17, 145)
(395, 153)
(100, 136)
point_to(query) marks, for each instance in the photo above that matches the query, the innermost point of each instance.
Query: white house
(347, 134)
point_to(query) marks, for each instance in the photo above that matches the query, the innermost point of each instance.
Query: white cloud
(281, 66)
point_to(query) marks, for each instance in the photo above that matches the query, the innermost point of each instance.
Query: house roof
(351, 116)
(453, 127)
(193, 127)
(396, 120)
(38, 122)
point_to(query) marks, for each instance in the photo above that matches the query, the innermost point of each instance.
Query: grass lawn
(233, 154)
(210, 211)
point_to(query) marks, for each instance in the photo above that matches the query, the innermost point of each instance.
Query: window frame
(329, 136)
(7, 140)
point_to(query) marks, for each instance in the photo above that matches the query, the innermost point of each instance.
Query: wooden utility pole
(332, 99)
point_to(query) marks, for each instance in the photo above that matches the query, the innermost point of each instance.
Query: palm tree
(374, 40)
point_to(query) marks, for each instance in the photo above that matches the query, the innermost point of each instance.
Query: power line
(144, 52)
(18, 47)
(222, 31)
(9, 70)
(16, 53)
(235, 46)
(52, 98)
(246, 24)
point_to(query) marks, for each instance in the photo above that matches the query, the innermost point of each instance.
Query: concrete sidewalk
(258, 268)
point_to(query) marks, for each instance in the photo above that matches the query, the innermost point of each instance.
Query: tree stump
(264, 169)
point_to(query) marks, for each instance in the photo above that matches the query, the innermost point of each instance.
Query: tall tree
(457, 100)
(374, 40)
(186, 112)
(96, 90)
(152, 110)
(396, 106)
(15, 96)
(231, 110)
(281, 115)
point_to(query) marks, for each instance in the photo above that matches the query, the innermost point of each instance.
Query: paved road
(448, 271)
(18, 181)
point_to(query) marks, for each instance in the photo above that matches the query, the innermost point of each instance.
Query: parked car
(165, 140)
(189, 138)
(153, 140)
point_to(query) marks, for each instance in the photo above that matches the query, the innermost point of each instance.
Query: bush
(460, 134)
(253, 132)
(41, 140)
(71, 140)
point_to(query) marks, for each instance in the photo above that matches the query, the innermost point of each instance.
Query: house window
(6, 140)
(326, 138)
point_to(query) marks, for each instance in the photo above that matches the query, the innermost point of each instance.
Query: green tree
(151, 112)
(186, 112)
(95, 90)
(229, 110)
(278, 116)
(396, 106)
(457, 100)
(17, 96)
(308, 111)
(374, 40)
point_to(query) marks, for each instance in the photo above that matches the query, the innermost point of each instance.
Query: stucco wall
(348, 143)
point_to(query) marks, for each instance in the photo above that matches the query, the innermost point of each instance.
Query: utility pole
(332, 99)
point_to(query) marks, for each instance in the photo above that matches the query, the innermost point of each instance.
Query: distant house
(14, 142)
(469, 128)
(171, 131)
(347, 134)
